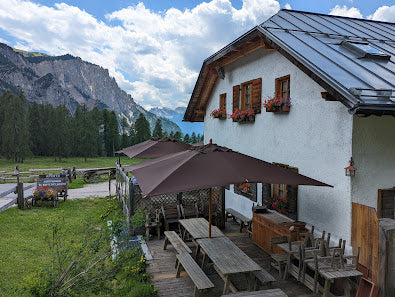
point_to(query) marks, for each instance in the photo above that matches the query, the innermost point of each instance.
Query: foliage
(111, 134)
(273, 103)
(158, 131)
(240, 115)
(187, 139)
(75, 263)
(219, 113)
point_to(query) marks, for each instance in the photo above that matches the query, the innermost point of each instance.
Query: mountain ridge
(70, 81)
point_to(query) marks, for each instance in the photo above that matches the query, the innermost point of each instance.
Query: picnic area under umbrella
(210, 166)
(154, 148)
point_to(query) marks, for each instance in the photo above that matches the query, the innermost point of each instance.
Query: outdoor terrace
(163, 273)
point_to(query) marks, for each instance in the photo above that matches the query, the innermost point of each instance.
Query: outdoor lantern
(350, 170)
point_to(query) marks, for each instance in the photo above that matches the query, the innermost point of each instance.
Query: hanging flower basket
(277, 104)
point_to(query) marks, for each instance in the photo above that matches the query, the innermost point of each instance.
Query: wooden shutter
(256, 96)
(222, 100)
(236, 98)
(292, 199)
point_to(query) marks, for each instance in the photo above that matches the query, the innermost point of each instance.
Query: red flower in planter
(274, 103)
(238, 115)
(219, 113)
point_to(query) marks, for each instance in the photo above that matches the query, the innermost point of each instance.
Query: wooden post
(209, 212)
(20, 198)
(109, 183)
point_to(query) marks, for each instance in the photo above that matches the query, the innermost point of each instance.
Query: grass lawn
(23, 233)
(49, 162)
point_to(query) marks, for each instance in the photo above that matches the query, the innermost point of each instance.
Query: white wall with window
(315, 137)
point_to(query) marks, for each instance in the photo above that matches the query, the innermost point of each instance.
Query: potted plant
(243, 188)
(219, 113)
(45, 194)
(277, 203)
(244, 116)
(277, 104)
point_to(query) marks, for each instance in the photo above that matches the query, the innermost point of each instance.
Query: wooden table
(329, 274)
(228, 259)
(263, 293)
(198, 228)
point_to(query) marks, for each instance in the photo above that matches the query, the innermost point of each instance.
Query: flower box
(277, 104)
(246, 119)
(219, 114)
(221, 117)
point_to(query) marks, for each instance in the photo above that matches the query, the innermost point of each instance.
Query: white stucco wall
(315, 136)
(374, 157)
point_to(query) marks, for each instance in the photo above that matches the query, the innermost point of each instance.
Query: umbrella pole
(209, 213)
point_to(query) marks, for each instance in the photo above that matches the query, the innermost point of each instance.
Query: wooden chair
(278, 261)
(306, 237)
(189, 211)
(152, 221)
(171, 215)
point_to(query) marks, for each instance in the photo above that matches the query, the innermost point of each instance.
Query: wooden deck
(163, 272)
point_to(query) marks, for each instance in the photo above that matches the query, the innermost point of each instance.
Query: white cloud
(384, 13)
(156, 56)
(351, 12)
(287, 6)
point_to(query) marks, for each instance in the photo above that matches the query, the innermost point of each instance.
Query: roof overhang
(259, 38)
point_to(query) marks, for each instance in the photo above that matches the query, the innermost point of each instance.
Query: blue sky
(154, 49)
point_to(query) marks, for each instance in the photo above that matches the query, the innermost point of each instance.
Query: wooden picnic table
(198, 228)
(228, 259)
(332, 273)
(263, 293)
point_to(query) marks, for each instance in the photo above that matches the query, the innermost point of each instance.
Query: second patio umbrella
(154, 148)
(209, 166)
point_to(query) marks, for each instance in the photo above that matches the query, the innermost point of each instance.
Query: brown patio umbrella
(209, 166)
(154, 148)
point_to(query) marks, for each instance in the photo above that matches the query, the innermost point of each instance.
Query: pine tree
(132, 134)
(84, 133)
(178, 136)
(111, 134)
(193, 138)
(14, 128)
(61, 132)
(142, 127)
(171, 134)
(187, 139)
(96, 117)
(158, 131)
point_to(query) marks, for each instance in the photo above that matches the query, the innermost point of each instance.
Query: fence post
(20, 199)
(131, 197)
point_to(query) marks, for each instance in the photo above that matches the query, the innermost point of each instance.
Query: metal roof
(353, 59)
(333, 48)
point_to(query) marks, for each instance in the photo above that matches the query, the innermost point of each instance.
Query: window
(248, 95)
(282, 86)
(280, 197)
(386, 203)
(222, 101)
(247, 190)
(245, 100)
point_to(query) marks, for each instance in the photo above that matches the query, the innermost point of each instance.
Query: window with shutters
(247, 96)
(282, 87)
(281, 197)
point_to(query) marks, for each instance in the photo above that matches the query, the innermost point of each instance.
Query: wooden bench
(264, 277)
(199, 278)
(244, 221)
(263, 293)
(179, 245)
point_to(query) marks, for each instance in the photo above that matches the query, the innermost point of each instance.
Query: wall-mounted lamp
(350, 170)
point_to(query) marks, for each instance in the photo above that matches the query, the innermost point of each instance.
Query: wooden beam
(328, 97)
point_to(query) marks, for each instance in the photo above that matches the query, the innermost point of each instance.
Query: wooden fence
(365, 234)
